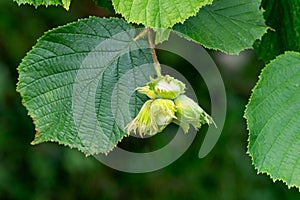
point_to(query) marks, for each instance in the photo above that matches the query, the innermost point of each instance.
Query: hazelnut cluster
(167, 104)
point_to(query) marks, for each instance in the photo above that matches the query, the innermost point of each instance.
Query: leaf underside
(273, 115)
(158, 14)
(227, 25)
(77, 83)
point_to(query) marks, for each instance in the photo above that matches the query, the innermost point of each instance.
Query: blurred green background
(50, 171)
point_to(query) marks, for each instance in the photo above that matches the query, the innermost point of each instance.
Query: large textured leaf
(284, 18)
(64, 3)
(157, 13)
(77, 82)
(227, 25)
(273, 116)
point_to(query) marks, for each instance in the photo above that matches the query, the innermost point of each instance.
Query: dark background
(50, 171)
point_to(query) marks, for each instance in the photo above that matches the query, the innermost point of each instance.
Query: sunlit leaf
(158, 14)
(64, 3)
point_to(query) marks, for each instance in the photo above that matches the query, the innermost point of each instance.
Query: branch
(153, 53)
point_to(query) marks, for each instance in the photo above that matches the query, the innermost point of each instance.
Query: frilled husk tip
(190, 113)
(153, 117)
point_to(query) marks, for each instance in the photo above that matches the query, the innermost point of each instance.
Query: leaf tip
(66, 4)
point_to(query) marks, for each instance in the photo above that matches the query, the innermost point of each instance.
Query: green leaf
(77, 83)
(162, 35)
(107, 4)
(273, 115)
(227, 25)
(158, 14)
(283, 17)
(64, 3)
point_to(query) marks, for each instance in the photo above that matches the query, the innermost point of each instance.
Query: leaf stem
(153, 53)
(141, 34)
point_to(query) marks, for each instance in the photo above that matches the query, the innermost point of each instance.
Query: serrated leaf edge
(33, 117)
(259, 171)
(217, 49)
(65, 6)
(139, 22)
